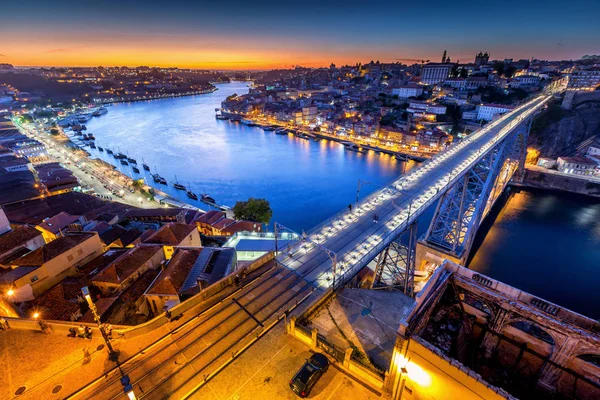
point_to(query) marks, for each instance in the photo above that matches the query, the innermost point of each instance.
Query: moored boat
(135, 169)
(206, 198)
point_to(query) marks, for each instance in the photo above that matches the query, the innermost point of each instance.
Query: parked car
(306, 378)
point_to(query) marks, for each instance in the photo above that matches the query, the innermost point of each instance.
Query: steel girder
(462, 207)
(396, 264)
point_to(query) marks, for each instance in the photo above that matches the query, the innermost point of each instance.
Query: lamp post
(86, 294)
(112, 355)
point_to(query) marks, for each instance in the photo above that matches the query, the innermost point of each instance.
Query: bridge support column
(396, 264)
(550, 374)
(519, 151)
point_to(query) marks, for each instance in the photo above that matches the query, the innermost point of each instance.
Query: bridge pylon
(396, 264)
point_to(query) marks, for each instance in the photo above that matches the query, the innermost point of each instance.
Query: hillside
(558, 132)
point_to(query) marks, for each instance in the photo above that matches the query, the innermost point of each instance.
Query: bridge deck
(356, 239)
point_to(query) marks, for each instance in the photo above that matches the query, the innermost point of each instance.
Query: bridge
(465, 180)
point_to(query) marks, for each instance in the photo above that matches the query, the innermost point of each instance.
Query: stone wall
(548, 180)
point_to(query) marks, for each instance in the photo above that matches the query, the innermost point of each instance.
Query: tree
(257, 210)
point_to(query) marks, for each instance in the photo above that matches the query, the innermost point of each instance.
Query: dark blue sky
(246, 34)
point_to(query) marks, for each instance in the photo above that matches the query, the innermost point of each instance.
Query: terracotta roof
(153, 212)
(131, 236)
(53, 249)
(223, 223)
(17, 238)
(127, 264)
(172, 233)
(102, 305)
(60, 221)
(211, 217)
(56, 304)
(172, 277)
(100, 262)
(112, 234)
(137, 288)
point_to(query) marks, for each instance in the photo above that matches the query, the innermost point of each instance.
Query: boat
(135, 169)
(147, 168)
(92, 145)
(131, 160)
(401, 157)
(268, 128)
(121, 156)
(191, 194)
(178, 185)
(281, 131)
(100, 148)
(109, 151)
(91, 137)
(123, 162)
(353, 147)
(247, 122)
(206, 198)
(221, 117)
(99, 112)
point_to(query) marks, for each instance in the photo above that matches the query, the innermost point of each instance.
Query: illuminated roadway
(353, 238)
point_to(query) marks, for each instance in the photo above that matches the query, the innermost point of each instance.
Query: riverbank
(306, 133)
(132, 99)
(96, 176)
(541, 178)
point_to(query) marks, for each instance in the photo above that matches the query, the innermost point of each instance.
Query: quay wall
(539, 179)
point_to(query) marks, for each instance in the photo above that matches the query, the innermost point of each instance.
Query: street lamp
(10, 292)
(86, 294)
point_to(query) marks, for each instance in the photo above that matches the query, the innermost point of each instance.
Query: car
(306, 378)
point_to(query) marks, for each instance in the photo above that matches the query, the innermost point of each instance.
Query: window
(70, 257)
(80, 251)
(33, 278)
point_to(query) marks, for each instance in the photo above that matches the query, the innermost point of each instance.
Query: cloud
(3, 55)
(55, 50)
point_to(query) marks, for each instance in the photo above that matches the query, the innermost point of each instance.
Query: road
(106, 182)
(176, 365)
(351, 239)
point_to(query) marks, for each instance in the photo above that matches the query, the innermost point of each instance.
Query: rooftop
(17, 237)
(58, 222)
(172, 277)
(53, 249)
(171, 234)
(124, 266)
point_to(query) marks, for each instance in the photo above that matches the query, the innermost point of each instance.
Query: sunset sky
(269, 34)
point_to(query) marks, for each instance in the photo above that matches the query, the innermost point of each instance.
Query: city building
(433, 73)
(186, 274)
(59, 224)
(487, 112)
(479, 338)
(482, 59)
(577, 165)
(122, 272)
(18, 242)
(173, 235)
(35, 272)
(407, 91)
(584, 79)
(250, 246)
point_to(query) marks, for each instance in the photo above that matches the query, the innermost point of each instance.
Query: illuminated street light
(10, 292)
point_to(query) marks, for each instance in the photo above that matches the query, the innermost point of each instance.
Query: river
(544, 243)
